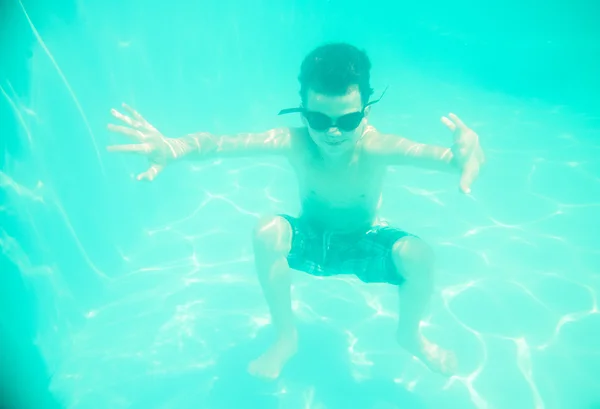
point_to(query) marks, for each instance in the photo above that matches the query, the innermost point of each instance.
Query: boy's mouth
(334, 143)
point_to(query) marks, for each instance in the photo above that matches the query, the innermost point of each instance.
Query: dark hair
(332, 68)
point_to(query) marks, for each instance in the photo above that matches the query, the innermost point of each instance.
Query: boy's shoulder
(299, 137)
(299, 133)
(376, 142)
(371, 133)
(300, 142)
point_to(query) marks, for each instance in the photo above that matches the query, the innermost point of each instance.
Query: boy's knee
(412, 253)
(273, 233)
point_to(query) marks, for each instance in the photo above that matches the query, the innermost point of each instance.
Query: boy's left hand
(466, 151)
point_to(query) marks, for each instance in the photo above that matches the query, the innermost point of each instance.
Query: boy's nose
(334, 131)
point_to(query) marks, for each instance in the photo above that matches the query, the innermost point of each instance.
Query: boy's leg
(415, 261)
(272, 243)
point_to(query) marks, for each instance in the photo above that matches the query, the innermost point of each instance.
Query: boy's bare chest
(340, 187)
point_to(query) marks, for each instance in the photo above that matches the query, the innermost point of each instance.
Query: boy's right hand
(151, 143)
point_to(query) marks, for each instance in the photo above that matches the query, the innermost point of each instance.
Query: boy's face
(337, 138)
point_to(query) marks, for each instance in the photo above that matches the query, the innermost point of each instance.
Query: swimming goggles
(321, 122)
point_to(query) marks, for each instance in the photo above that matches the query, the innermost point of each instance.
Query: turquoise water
(145, 294)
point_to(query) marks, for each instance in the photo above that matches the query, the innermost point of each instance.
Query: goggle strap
(378, 99)
(290, 111)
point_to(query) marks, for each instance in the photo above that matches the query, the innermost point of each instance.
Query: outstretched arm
(399, 151)
(204, 145)
(465, 156)
(161, 150)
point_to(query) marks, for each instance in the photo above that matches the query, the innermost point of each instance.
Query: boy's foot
(270, 364)
(431, 355)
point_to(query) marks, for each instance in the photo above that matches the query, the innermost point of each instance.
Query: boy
(339, 160)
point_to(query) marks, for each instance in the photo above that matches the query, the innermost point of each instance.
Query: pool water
(146, 294)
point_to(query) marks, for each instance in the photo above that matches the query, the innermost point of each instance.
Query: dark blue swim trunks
(366, 254)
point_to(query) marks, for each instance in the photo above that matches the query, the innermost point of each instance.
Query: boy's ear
(368, 110)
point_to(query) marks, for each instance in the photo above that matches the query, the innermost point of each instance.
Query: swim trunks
(367, 254)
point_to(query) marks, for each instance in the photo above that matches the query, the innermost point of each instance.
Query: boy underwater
(339, 160)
